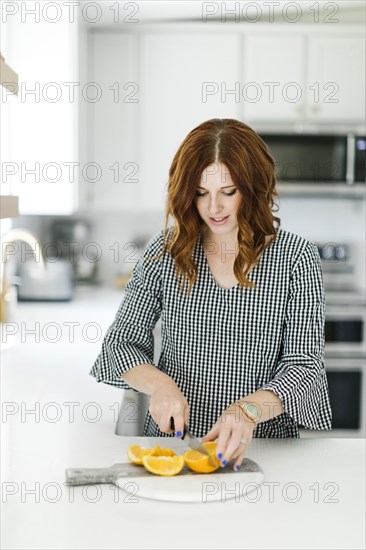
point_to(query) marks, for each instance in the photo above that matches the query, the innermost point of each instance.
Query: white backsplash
(329, 220)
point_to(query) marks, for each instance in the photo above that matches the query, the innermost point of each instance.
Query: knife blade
(193, 442)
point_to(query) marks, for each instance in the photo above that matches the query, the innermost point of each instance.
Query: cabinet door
(336, 78)
(273, 77)
(184, 77)
(43, 117)
(112, 123)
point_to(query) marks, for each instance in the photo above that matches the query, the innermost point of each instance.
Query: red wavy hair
(252, 169)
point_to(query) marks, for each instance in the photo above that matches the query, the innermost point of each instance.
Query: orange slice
(198, 462)
(163, 451)
(163, 465)
(136, 452)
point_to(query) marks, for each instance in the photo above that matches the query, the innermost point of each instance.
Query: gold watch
(250, 410)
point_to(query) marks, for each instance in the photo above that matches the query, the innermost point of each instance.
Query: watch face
(252, 410)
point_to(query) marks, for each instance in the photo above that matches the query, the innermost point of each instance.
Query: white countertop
(326, 474)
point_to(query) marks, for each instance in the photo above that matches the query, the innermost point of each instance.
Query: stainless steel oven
(345, 329)
(345, 363)
(345, 337)
(346, 382)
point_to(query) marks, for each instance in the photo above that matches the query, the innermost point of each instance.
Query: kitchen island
(55, 416)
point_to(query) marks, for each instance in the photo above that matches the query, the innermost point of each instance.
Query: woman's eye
(227, 194)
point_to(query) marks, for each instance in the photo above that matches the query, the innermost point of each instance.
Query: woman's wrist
(261, 406)
(250, 411)
(147, 378)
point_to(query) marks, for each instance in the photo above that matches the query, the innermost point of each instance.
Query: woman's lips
(222, 222)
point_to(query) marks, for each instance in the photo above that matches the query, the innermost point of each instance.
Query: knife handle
(172, 427)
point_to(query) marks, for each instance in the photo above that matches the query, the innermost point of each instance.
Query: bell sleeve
(300, 379)
(129, 341)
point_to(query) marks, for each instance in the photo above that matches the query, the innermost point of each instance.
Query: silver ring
(244, 441)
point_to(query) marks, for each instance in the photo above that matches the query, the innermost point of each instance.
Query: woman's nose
(214, 206)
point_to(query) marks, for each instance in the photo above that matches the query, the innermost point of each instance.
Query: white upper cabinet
(273, 77)
(312, 78)
(155, 86)
(185, 80)
(111, 178)
(336, 74)
(168, 84)
(42, 151)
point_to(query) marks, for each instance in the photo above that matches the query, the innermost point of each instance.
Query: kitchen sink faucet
(11, 236)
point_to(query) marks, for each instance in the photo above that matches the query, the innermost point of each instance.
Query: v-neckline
(208, 269)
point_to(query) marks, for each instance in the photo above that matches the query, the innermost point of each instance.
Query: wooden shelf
(9, 206)
(9, 78)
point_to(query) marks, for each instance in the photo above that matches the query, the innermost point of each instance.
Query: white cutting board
(202, 488)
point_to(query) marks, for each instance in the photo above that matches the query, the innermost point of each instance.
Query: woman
(241, 302)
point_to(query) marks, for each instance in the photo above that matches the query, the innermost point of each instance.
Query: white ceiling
(350, 11)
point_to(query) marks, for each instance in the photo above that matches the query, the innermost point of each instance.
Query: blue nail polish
(179, 433)
(224, 462)
(237, 467)
(219, 456)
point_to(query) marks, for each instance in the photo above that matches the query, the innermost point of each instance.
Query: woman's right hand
(168, 401)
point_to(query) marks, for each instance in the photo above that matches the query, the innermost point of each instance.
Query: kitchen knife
(192, 441)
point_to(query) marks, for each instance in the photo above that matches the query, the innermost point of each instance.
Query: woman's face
(218, 197)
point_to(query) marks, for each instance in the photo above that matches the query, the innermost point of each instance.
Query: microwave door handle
(350, 168)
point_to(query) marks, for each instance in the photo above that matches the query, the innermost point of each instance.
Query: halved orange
(163, 465)
(198, 462)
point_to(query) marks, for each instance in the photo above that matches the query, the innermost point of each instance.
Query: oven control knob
(341, 252)
(328, 251)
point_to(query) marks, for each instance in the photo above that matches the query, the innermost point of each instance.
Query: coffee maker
(71, 237)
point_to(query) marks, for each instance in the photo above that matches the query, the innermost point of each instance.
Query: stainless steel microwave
(316, 158)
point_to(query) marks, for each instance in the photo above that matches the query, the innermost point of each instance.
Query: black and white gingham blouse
(220, 344)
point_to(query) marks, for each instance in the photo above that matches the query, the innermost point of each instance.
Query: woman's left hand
(234, 433)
